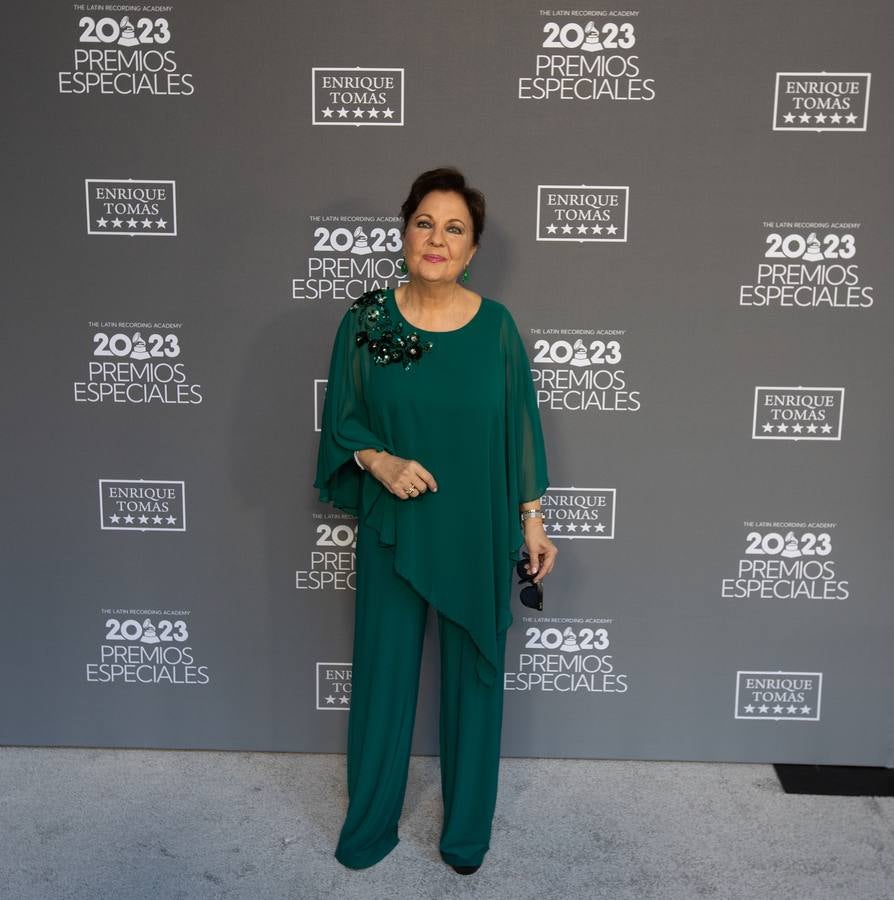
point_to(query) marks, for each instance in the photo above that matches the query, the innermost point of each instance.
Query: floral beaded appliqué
(385, 339)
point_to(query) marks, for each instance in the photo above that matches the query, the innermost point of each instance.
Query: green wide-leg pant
(389, 627)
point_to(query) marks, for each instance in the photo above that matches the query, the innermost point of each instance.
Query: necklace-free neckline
(397, 309)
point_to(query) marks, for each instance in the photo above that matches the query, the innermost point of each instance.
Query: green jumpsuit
(465, 408)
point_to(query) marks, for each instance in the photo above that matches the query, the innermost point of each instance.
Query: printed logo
(594, 60)
(778, 696)
(141, 505)
(583, 212)
(566, 660)
(131, 208)
(798, 413)
(351, 254)
(140, 366)
(821, 101)
(808, 270)
(334, 685)
(121, 57)
(579, 513)
(333, 558)
(786, 561)
(150, 646)
(582, 370)
(357, 96)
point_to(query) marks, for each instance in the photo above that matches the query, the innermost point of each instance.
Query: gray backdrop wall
(689, 217)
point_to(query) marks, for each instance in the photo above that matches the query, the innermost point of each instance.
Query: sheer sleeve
(528, 475)
(344, 425)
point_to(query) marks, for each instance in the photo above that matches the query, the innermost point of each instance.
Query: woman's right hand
(405, 478)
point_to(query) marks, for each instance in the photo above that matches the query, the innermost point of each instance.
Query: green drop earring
(465, 275)
(402, 265)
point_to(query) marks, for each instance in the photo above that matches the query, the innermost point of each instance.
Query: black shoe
(466, 870)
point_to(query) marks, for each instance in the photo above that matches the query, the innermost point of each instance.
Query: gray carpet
(127, 824)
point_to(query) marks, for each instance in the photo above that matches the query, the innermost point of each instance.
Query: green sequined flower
(385, 339)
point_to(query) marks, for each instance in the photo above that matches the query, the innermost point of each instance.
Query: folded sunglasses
(532, 594)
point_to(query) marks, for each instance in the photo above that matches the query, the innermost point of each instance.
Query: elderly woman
(431, 436)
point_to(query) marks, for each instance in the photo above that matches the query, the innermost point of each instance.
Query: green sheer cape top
(466, 409)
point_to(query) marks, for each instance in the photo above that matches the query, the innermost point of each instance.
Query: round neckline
(425, 330)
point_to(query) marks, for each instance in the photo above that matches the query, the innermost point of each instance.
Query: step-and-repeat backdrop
(689, 216)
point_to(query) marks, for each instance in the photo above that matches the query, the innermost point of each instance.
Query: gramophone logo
(128, 34)
(579, 513)
(131, 207)
(778, 696)
(821, 101)
(357, 96)
(582, 213)
(334, 685)
(360, 244)
(798, 413)
(141, 505)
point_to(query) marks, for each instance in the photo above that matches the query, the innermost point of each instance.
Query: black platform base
(845, 781)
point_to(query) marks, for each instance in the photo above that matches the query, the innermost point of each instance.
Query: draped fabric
(466, 411)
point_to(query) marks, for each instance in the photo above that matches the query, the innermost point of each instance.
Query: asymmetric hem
(466, 410)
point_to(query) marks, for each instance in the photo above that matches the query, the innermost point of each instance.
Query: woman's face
(438, 240)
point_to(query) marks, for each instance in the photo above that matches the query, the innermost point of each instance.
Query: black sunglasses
(532, 594)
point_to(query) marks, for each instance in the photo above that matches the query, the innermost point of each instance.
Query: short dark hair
(446, 178)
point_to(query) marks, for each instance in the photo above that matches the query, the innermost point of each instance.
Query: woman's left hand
(541, 549)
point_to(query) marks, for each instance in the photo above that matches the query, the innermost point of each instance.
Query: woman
(431, 436)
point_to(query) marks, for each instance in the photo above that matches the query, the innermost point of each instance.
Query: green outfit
(467, 411)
